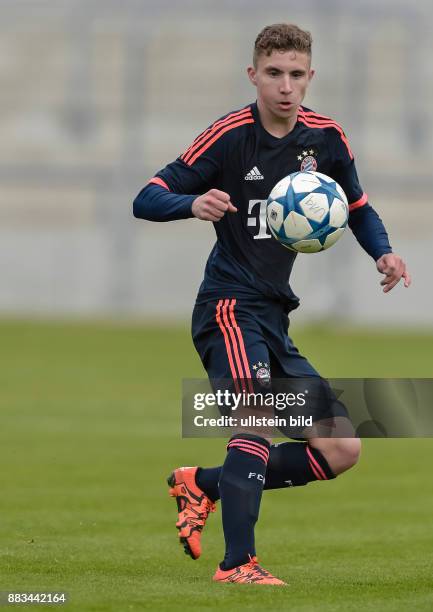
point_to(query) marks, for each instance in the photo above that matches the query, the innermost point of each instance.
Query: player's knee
(340, 453)
(347, 452)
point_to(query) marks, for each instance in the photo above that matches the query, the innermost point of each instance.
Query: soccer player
(240, 318)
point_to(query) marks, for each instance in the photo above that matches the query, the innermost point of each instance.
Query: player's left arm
(371, 234)
(364, 221)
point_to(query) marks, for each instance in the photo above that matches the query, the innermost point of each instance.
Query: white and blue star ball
(307, 212)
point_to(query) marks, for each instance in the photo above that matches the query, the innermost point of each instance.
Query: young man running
(240, 318)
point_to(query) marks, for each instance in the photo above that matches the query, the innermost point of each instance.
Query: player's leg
(240, 486)
(239, 347)
(341, 454)
(242, 475)
(221, 346)
(294, 464)
(298, 463)
(229, 342)
(194, 504)
(290, 464)
(321, 457)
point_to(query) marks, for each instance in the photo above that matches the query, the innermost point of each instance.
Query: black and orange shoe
(193, 506)
(248, 573)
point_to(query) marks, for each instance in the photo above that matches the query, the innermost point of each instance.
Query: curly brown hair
(281, 37)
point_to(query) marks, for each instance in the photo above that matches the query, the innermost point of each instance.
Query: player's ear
(311, 73)
(251, 71)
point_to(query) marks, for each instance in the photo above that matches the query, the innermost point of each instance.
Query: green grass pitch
(90, 428)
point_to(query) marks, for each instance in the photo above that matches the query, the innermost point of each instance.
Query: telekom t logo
(261, 216)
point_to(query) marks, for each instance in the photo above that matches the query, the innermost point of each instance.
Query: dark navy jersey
(238, 156)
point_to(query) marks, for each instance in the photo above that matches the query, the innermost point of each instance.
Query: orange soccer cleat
(193, 506)
(250, 572)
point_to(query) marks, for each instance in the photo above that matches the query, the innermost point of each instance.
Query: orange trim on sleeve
(158, 181)
(361, 202)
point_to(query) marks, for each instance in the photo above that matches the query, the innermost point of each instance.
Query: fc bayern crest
(263, 373)
(308, 161)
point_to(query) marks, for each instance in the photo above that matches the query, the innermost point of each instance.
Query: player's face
(281, 79)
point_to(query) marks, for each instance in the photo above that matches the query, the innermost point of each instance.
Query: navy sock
(294, 464)
(207, 479)
(240, 487)
(291, 464)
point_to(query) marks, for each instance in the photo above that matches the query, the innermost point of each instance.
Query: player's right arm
(157, 203)
(169, 194)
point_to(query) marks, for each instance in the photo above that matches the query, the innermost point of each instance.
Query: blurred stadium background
(96, 96)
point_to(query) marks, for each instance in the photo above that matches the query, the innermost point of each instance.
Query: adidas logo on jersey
(254, 175)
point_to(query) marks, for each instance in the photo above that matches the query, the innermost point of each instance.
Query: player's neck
(276, 126)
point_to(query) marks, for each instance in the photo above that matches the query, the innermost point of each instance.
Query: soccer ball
(307, 212)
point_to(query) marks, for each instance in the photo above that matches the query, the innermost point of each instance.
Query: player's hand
(212, 206)
(394, 269)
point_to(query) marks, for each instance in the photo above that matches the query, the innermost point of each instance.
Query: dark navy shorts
(246, 343)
